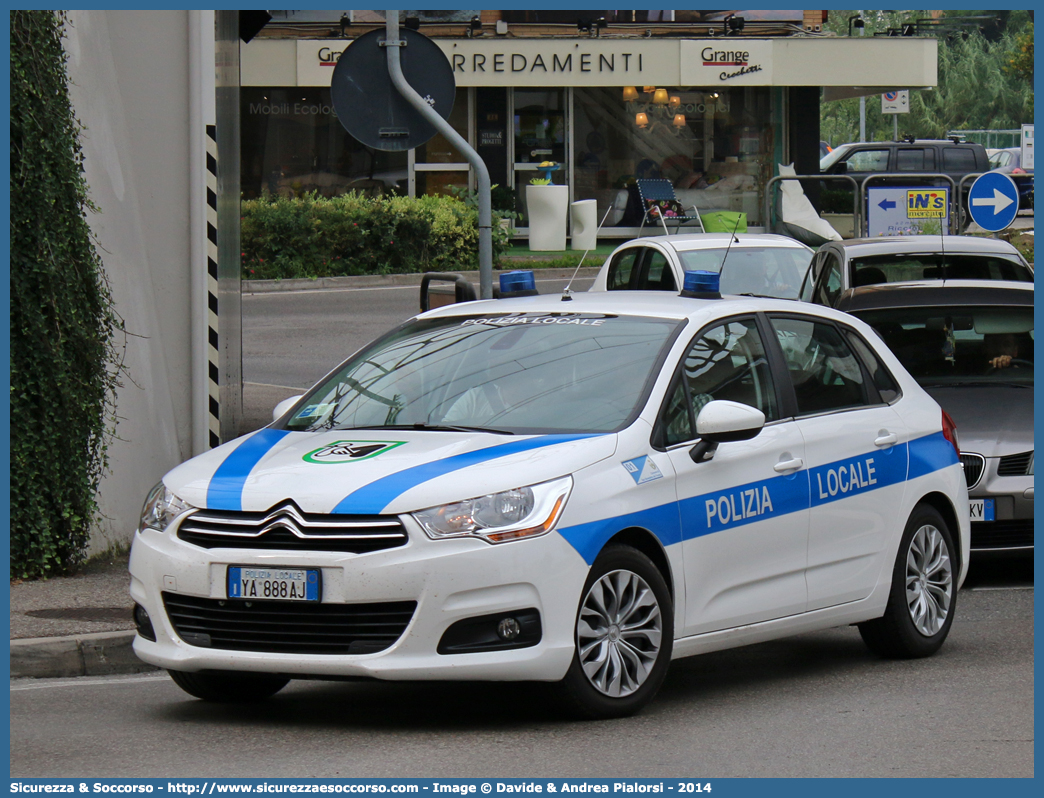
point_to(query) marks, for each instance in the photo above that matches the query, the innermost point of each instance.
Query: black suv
(949, 157)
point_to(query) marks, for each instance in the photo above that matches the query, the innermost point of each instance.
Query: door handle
(885, 438)
(788, 465)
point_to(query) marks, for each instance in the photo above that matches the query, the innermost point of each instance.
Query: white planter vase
(584, 214)
(548, 207)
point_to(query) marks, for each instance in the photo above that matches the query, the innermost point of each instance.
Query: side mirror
(281, 409)
(721, 421)
(840, 168)
(436, 296)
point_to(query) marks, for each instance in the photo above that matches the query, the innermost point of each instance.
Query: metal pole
(862, 100)
(485, 205)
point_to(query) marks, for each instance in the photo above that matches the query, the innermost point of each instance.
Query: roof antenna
(566, 293)
(734, 237)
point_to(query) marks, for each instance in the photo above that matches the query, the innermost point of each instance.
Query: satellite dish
(371, 109)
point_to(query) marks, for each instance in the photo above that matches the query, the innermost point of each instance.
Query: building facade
(709, 104)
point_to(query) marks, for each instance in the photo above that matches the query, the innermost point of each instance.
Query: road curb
(97, 654)
(390, 280)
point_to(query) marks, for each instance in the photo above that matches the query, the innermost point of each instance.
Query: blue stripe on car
(373, 498)
(721, 510)
(225, 491)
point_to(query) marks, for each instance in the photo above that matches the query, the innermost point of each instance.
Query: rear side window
(620, 270)
(825, 372)
(830, 282)
(915, 160)
(882, 379)
(958, 159)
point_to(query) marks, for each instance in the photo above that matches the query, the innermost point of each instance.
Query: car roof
(656, 304)
(687, 242)
(926, 293)
(965, 245)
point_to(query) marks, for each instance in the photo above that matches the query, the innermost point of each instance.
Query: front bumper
(449, 580)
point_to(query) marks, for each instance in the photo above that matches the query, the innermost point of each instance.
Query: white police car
(566, 490)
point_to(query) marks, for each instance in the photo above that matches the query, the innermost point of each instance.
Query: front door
(744, 513)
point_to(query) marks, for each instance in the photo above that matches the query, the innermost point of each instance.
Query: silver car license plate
(980, 510)
(276, 584)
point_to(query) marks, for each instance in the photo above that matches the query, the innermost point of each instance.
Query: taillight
(1018, 171)
(950, 432)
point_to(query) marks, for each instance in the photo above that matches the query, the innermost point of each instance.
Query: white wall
(130, 88)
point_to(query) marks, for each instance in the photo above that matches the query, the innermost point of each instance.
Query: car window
(620, 270)
(868, 161)
(825, 373)
(914, 160)
(762, 271)
(809, 283)
(959, 344)
(518, 372)
(882, 379)
(830, 282)
(726, 361)
(999, 159)
(957, 159)
(657, 274)
(902, 267)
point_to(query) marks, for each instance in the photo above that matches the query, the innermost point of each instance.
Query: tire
(924, 591)
(229, 687)
(616, 672)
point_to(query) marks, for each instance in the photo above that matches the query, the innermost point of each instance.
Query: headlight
(161, 507)
(499, 517)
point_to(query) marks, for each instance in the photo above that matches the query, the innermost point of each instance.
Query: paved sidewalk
(76, 625)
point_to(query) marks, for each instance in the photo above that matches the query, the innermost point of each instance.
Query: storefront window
(292, 143)
(540, 135)
(715, 146)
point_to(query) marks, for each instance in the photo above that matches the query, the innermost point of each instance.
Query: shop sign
(561, 62)
(728, 61)
(491, 138)
(316, 60)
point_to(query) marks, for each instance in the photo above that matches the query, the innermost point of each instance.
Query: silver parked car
(970, 344)
(758, 264)
(841, 265)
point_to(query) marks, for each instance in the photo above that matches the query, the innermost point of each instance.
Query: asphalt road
(809, 706)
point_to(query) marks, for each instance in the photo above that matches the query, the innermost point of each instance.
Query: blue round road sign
(993, 201)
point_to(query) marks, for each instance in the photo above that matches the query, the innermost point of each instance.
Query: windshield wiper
(421, 426)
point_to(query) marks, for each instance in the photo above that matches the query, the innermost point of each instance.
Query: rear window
(959, 344)
(901, 267)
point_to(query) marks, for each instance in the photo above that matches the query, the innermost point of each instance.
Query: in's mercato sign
(578, 62)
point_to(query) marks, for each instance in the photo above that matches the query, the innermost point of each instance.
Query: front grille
(974, 465)
(1014, 465)
(1002, 534)
(285, 627)
(287, 528)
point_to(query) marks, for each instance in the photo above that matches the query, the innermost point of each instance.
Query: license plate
(275, 584)
(980, 509)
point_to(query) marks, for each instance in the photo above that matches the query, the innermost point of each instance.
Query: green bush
(313, 236)
(63, 364)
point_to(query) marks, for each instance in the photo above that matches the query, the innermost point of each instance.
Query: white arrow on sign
(999, 202)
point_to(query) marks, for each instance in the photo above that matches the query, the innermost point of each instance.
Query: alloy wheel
(929, 580)
(618, 633)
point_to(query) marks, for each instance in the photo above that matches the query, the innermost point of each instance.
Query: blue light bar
(517, 283)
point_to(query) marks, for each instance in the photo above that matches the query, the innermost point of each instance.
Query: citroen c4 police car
(568, 488)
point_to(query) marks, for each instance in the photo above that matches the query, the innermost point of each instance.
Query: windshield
(833, 157)
(899, 267)
(763, 271)
(959, 345)
(556, 372)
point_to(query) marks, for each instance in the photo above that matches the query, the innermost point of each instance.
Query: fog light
(144, 623)
(508, 629)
